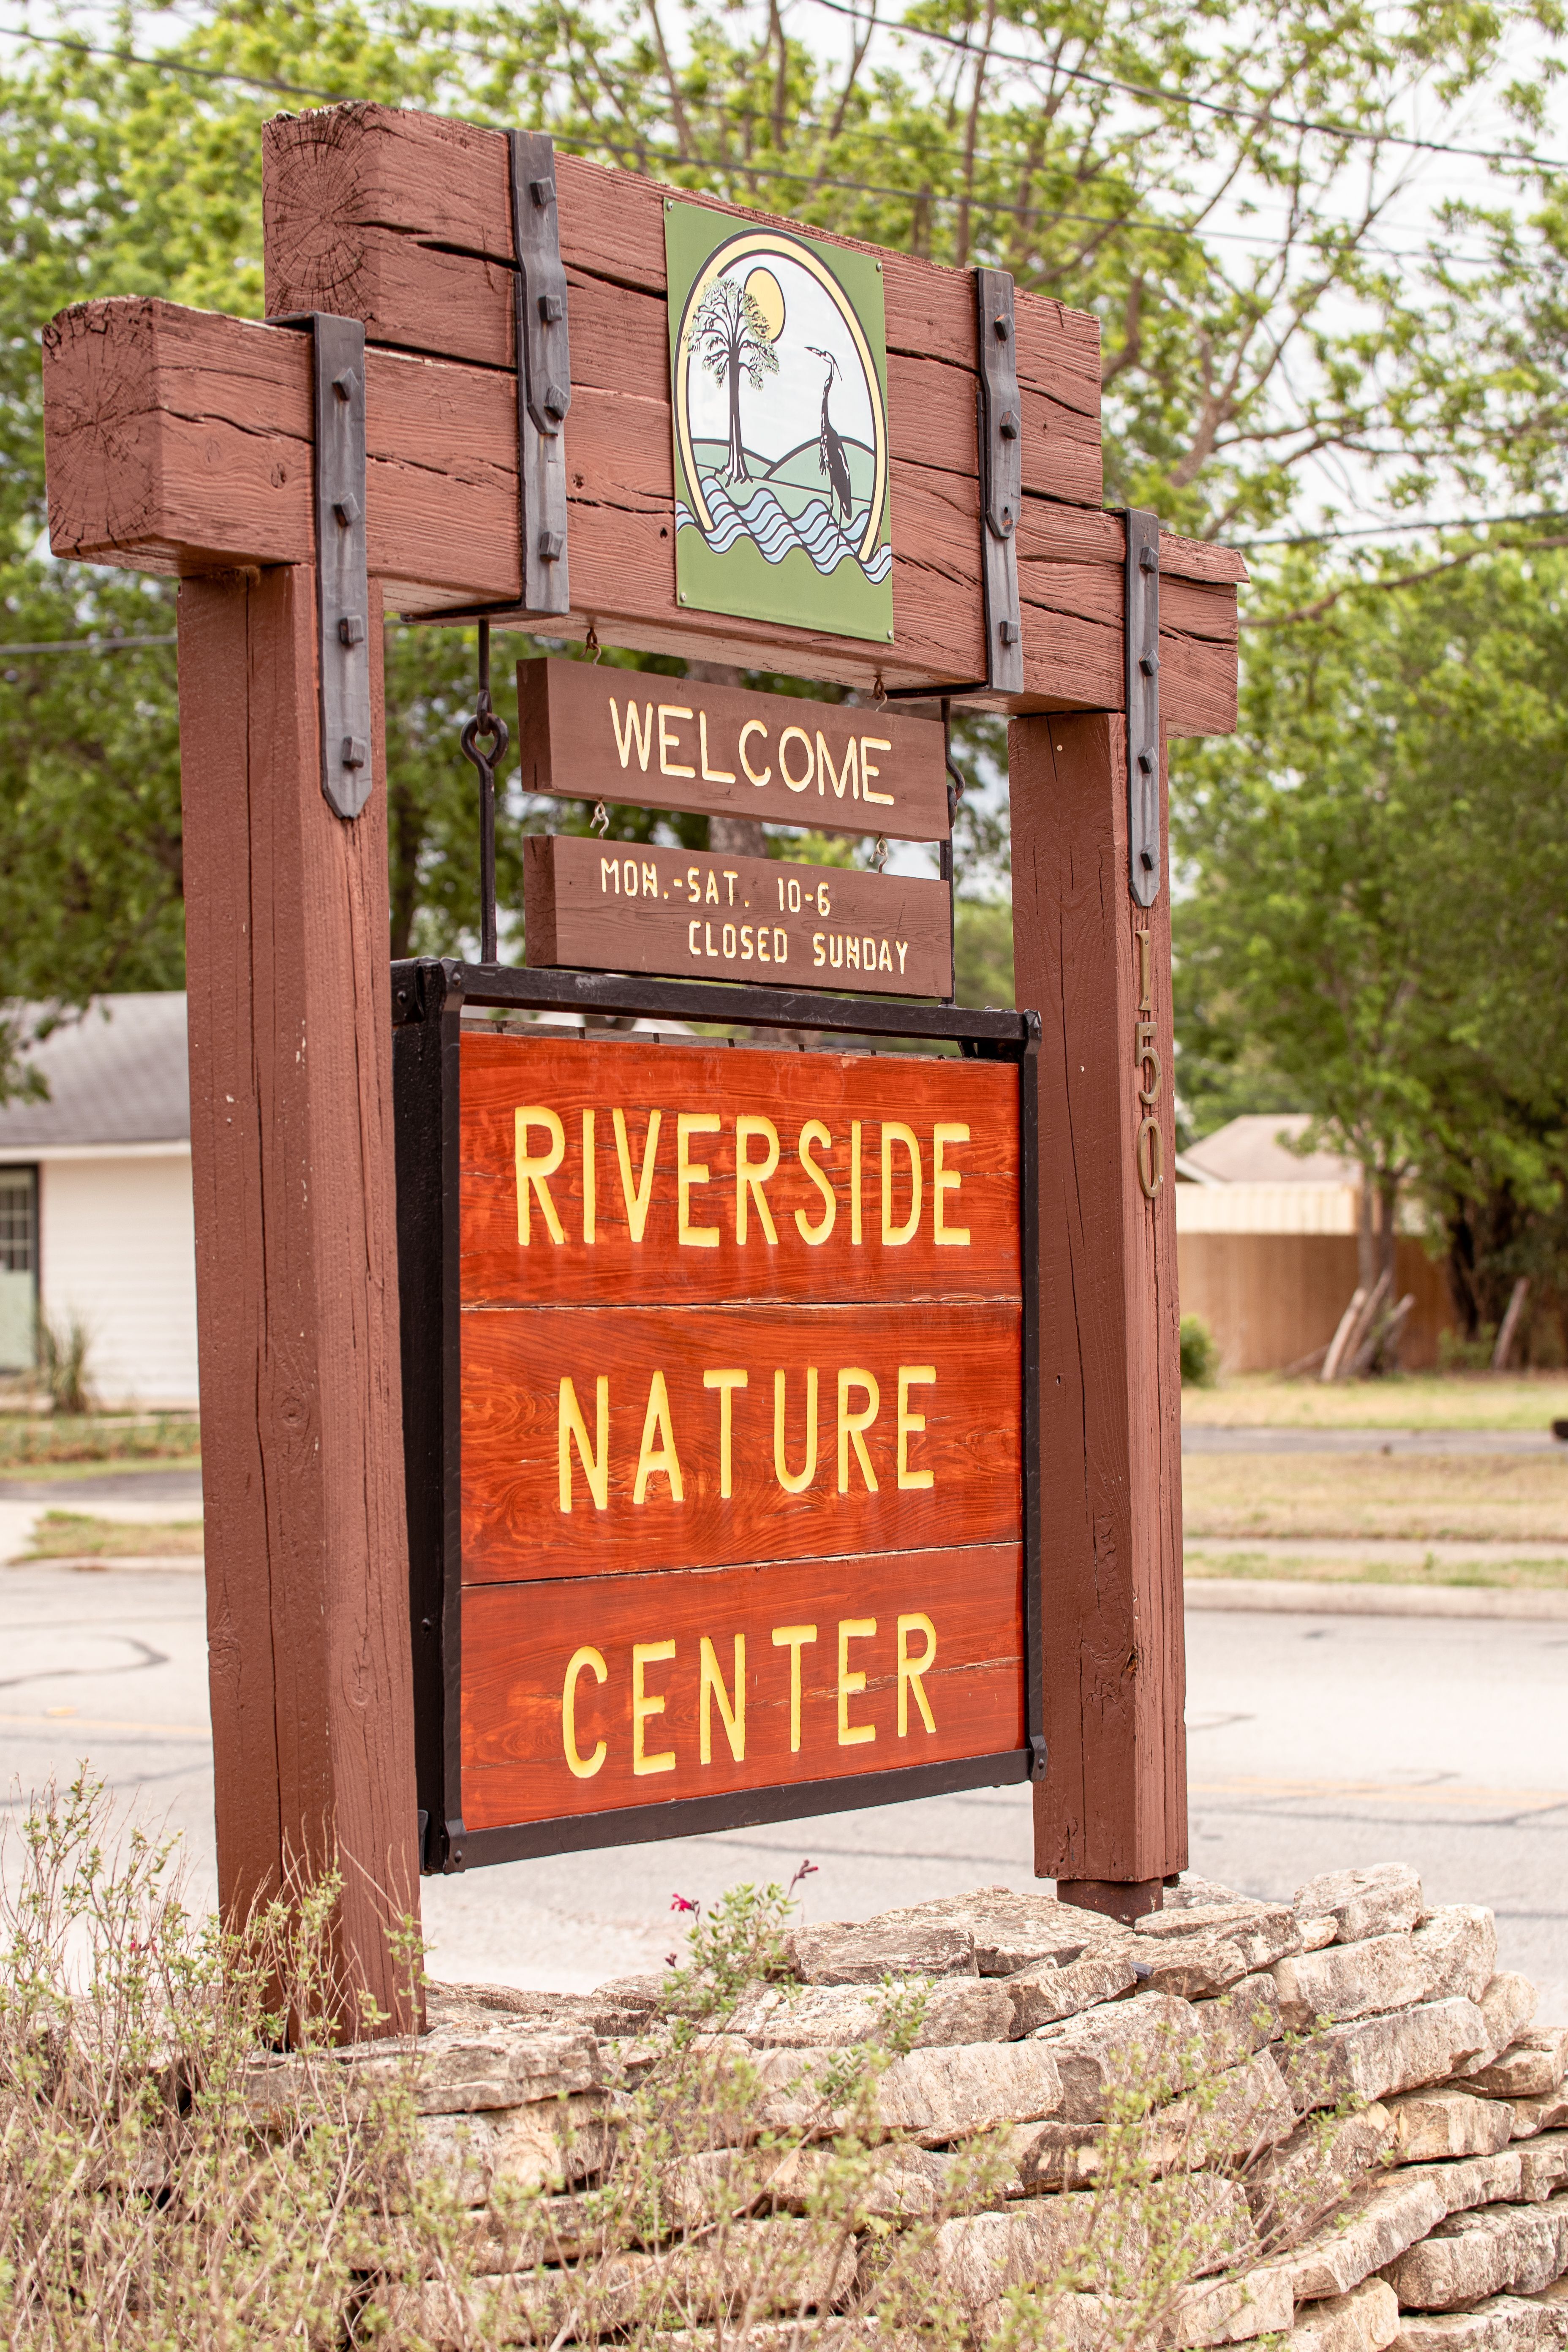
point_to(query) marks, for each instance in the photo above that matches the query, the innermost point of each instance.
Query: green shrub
(1200, 1353)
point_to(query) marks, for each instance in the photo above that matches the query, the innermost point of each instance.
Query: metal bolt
(556, 401)
(354, 752)
(1001, 330)
(1147, 560)
(552, 545)
(543, 191)
(1009, 632)
(351, 629)
(1147, 856)
(551, 307)
(1149, 664)
(1007, 425)
(346, 385)
(1146, 761)
(346, 508)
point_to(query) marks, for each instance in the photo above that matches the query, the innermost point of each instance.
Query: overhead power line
(1159, 96)
(1389, 529)
(88, 645)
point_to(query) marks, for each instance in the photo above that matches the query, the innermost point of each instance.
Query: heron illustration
(835, 464)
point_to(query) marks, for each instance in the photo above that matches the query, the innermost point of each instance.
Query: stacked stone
(1354, 2121)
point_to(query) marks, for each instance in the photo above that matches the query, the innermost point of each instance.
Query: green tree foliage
(1375, 910)
(1089, 148)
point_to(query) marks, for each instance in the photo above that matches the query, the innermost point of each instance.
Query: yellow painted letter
(750, 1175)
(726, 1382)
(895, 1131)
(794, 1639)
(946, 1180)
(852, 1629)
(911, 1669)
(637, 1198)
(583, 1661)
(913, 1375)
(791, 1483)
(647, 1653)
(710, 1687)
(661, 1460)
(851, 1426)
(572, 1429)
(814, 1235)
(687, 1172)
(532, 1171)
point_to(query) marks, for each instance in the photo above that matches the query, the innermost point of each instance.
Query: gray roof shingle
(116, 1075)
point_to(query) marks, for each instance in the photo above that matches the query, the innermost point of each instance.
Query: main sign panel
(734, 1484)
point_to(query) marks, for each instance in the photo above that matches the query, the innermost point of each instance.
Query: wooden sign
(605, 907)
(732, 1519)
(588, 731)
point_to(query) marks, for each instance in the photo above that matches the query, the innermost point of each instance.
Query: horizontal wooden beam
(179, 441)
(404, 220)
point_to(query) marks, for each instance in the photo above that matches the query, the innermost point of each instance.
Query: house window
(18, 1267)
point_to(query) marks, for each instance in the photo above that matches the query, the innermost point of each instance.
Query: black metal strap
(544, 373)
(1142, 633)
(1000, 479)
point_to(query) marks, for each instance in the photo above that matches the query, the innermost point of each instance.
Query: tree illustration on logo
(732, 337)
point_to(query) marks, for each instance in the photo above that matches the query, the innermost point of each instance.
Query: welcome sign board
(730, 1472)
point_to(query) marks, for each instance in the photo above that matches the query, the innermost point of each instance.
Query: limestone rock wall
(1353, 2112)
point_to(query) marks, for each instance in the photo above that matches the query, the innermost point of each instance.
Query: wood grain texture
(295, 1269)
(571, 1076)
(515, 1359)
(403, 219)
(759, 920)
(1113, 1806)
(178, 441)
(591, 733)
(518, 1641)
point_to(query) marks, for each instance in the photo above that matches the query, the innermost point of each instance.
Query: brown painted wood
(640, 1259)
(1113, 1805)
(515, 1359)
(404, 219)
(759, 920)
(178, 441)
(587, 732)
(520, 1641)
(296, 1281)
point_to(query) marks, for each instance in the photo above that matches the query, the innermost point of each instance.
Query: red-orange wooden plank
(892, 1098)
(826, 1698)
(665, 1411)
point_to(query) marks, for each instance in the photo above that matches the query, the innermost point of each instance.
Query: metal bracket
(544, 373)
(1142, 634)
(342, 584)
(1000, 479)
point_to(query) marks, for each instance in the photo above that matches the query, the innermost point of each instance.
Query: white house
(95, 1201)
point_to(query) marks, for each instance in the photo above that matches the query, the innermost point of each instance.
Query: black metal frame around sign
(430, 998)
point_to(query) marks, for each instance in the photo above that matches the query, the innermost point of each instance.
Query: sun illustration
(766, 292)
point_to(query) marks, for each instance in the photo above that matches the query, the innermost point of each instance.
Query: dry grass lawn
(1422, 1497)
(74, 1534)
(1414, 1401)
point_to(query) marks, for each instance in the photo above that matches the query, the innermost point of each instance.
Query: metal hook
(591, 643)
(600, 819)
(880, 854)
(487, 725)
(878, 692)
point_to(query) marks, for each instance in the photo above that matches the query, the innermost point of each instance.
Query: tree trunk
(1387, 1226)
(1367, 1267)
(736, 468)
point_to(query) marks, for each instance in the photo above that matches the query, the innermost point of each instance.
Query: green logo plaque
(779, 402)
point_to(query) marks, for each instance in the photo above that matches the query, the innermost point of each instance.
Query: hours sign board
(720, 1511)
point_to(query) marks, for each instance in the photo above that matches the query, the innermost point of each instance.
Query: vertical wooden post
(290, 1049)
(1111, 1818)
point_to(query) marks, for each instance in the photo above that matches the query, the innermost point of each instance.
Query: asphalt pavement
(1313, 1742)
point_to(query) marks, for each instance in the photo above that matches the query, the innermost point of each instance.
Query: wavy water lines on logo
(773, 531)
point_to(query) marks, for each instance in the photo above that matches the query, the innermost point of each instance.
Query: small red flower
(682, 1902)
